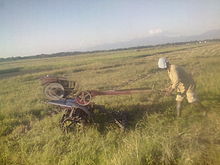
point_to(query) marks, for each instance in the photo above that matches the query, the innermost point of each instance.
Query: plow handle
(121, 92)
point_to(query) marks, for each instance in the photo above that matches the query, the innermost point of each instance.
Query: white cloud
(155, 31)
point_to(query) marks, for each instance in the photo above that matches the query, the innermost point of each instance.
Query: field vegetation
(30, 132)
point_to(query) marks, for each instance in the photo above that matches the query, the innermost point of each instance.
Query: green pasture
(29, 128)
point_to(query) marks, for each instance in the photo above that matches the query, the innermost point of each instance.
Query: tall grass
(30, 133)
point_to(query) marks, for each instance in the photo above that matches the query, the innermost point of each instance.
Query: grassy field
(30, 133)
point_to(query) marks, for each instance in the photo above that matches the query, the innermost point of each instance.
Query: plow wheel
(84, 98)
(54, 91)
(73, 121)
(68, 123)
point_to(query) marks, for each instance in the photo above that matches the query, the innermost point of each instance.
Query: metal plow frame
(77, 105)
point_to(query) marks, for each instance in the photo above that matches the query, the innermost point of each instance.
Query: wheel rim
(54, 91)
(84, 98)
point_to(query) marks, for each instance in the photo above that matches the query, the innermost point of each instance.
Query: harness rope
(140, 77)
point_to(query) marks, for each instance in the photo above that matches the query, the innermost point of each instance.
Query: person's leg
(193, 99)
(178, 108)
(179, 100)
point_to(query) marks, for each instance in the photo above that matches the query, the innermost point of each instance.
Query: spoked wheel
(84, 98)
(68, 124)
(54, 91)
(70, 121)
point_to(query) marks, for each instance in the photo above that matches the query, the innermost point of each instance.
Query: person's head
(163, 63)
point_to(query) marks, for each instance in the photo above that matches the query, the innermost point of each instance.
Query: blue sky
(30, 27)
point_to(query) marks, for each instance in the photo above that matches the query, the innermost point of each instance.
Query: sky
(31, 27)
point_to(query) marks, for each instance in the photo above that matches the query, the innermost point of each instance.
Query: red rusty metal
(84, 98)
(120, 92)
(77, 105)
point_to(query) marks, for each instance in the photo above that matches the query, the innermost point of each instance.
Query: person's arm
(169, 91)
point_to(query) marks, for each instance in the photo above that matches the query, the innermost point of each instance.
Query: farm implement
(77, 105)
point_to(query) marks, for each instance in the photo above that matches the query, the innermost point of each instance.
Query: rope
(132, 81)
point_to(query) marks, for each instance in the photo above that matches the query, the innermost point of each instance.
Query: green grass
(30, 134)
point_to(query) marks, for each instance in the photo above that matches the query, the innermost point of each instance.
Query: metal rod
(121, 92)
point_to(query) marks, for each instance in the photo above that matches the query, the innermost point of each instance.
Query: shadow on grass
(10, 70)
(5, 73)
(105, 118)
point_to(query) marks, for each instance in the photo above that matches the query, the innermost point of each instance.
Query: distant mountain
(213, 34)
(149, 41)
(158, 39)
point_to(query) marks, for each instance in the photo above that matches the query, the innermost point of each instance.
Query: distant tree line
(62, 54)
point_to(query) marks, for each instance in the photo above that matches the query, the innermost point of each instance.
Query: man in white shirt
(182, 82)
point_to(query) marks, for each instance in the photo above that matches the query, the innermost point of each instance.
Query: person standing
(182, 82)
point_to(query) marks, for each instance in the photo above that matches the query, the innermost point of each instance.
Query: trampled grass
(30, 133)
